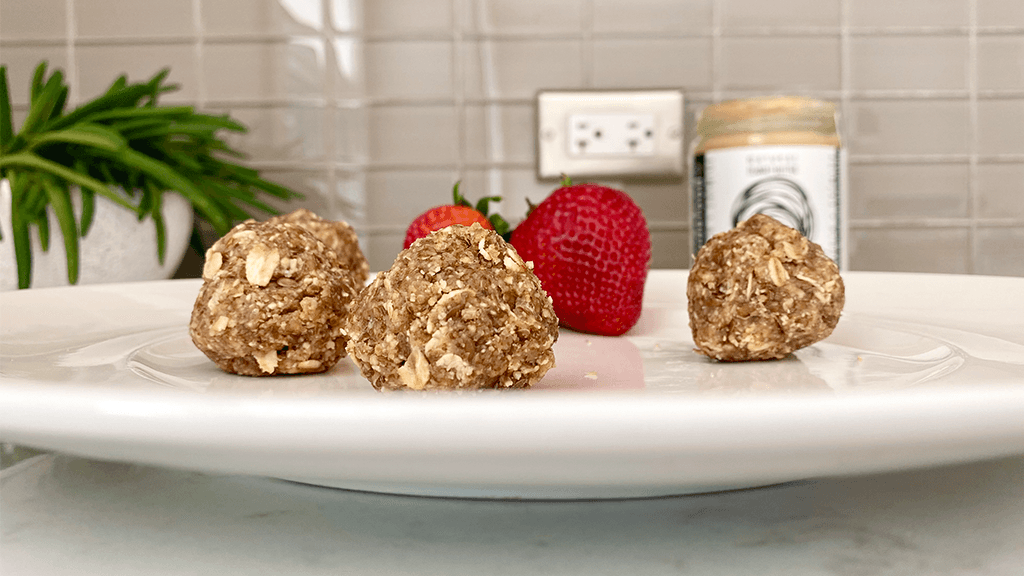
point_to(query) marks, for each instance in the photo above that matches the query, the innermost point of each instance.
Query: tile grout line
(299, 164)
(740, 33)
(485, 54)
(458, 86)
(587, 43)
(198, 52)
(71, 52)
(859, 224)
(716, 50)
(330, 111)
(353, 103)
(845, 107)
(972, 160)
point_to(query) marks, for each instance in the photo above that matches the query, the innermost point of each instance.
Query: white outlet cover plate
(559, 153)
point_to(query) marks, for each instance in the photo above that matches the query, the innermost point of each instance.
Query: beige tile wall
(374, 108)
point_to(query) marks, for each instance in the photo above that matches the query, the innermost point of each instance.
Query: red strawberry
(591, 249)
(460, 212)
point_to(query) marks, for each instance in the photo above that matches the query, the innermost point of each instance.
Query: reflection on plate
(110, 372)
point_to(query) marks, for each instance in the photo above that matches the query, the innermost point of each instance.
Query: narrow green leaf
(17, 185)
(29, 160)
(276, 189)
(238, 170)
(58, 107)
(32, 200)
(6, 121)
(226, 204)
(88, 210)
(156, 86)
(261, 206)
(126, 97)
(223, 149)
(228, 188)
(22, 250)
(161, 236)
(118, 84)
(175, 129)
(225, 122)
(174, 181)
(158, 221)
(38, 81)
(241, 195)
(162, 112)
(84, 134)
(43, 104)
(42, 223)
(146, 203)
(158, 78)
(60, 199)
(132, 129)
(103, 168)
(185, 161)
(132, 183)
(269, 187)
(19, 229)
(230, 212)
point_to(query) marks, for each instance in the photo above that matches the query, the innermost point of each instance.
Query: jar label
(800, 186)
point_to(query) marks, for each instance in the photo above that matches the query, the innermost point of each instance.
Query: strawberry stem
(483, 206)
(458, 198)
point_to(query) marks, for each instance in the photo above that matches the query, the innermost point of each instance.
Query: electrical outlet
(610, 133)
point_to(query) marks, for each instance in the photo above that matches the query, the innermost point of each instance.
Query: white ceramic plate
(922, 370)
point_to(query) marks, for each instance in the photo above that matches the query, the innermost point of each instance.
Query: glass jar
(780, 156)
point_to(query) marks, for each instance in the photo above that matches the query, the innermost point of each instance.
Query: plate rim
(356, 423)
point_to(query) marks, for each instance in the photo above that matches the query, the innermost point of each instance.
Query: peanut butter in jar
(780, 156)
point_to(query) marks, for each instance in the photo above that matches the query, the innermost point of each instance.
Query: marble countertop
(65, 515)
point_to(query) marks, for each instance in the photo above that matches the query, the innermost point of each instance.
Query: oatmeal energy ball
(337, 235)
(761, 291)
(459, 309)
(273, 301)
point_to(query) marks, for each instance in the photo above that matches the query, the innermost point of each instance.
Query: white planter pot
(118, 247)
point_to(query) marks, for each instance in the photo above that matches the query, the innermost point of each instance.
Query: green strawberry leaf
(483, 205)
(501, 226)
(457, 198)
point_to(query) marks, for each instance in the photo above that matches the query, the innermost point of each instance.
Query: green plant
(123, 140)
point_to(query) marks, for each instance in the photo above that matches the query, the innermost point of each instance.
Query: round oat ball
(338, 235)
(273, 301)
(761, 291)
(459, 309)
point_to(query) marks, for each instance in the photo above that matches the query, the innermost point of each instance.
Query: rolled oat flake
(779, 156)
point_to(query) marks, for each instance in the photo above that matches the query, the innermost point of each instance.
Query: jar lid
(767, 114)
